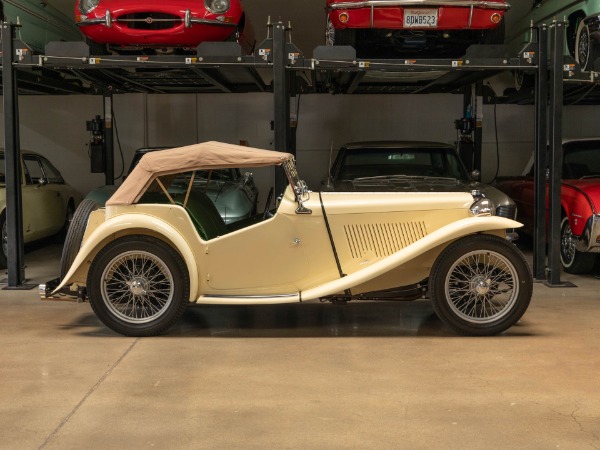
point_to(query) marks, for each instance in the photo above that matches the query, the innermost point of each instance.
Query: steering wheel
(268, 203)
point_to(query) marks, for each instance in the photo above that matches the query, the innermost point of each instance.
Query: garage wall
(55, 127)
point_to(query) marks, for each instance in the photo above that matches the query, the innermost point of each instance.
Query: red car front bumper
(178, 23)
(390, 14)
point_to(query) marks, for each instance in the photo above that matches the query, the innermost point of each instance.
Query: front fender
(439, 237)
(132, 221)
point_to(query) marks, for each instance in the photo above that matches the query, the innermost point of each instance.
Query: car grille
(382, 239)
(508, 211)
(150, 21)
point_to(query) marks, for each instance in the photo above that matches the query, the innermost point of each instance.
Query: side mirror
(476, 175)
(42, 181)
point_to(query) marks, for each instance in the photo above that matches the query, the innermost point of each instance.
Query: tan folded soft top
(204, 156)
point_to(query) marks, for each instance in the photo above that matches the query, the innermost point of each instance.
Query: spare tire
(75, 234)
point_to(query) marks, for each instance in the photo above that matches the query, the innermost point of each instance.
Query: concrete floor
(366, 375)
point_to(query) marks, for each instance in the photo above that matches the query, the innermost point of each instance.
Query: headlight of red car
(216, 6)
(87, 6)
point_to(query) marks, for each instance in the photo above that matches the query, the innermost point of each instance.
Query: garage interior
(362, 375)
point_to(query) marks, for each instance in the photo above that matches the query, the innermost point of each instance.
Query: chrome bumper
(66, 294)
(374, 3)
(589, 241)
(187, 19)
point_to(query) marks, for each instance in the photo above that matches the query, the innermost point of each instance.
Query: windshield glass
(425, 162)
(581, 159)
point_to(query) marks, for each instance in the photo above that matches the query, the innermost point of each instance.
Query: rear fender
(109, 230)
(444, 235)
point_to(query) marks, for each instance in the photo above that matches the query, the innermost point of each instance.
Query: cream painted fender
(128, 221)
(445, 234)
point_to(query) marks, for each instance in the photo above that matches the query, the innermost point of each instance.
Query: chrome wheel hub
(138, 286)
(481, 286)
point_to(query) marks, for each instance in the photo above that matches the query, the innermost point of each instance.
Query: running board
(248, 299)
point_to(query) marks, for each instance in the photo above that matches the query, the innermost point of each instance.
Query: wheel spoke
(137, 287)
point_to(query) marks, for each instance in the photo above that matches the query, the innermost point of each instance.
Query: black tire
(138, 286)
(339, 37)
(4, 242)
(61, 236)
(75, 234)
(587, 51)
(573, 261)
(480, 285)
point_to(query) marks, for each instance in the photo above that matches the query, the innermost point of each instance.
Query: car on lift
(39, 23)
(149, 254)
(580, 203)
(409, 166)
(235, 195)
(48, 201)
(415, 27)
(125, 25)
(583, 27)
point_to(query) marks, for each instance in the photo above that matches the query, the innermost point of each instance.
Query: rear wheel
(334, 36)
(138, 286)
(587, 50)
(4, 237)
(480, 285)
(572, 260)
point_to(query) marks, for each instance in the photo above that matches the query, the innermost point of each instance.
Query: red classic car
(414, 26)
(580, 203)
(157, 24)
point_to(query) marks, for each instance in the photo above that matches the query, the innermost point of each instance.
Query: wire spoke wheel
(567, 244)
(137, 287)
(480, 285)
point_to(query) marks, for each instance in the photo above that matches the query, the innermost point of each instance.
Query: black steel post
(12, 158)
(556, 153)
(541, 159)
(109, 152)
(281, 97)
(478, 134)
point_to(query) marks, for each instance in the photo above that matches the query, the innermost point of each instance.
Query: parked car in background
(583, 26)
(179, 24)
(153, 253)
(40, 23)
(235, 195)
(48, 201)
(580, 203)
(409, 166)
(418, 27)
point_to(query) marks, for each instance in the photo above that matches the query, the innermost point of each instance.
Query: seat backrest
(204, 215)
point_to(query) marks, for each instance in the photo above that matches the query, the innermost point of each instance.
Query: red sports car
(580, 203)
(416, 26)
(139, 24)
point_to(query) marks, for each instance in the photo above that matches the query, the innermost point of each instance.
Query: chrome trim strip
(95, 21)
(213, 22)
(372, 16)
(373, 3)
(470, 17)
(199, 21)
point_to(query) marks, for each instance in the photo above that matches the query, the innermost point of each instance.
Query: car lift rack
(280, 68)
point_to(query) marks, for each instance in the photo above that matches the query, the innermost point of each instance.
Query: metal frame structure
(219, 67)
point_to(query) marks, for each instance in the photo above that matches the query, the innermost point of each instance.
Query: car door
(267, 258)
(43, 209)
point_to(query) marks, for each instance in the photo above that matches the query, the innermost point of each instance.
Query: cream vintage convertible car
(148, 254)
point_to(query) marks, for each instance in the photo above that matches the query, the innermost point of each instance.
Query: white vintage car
(148, 254)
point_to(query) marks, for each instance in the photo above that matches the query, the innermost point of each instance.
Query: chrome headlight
(483, 207)
(217, 6)
(87, 6)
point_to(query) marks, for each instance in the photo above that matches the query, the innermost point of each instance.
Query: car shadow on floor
(308, 320)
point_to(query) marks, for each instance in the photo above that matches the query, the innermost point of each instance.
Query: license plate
(420, 18)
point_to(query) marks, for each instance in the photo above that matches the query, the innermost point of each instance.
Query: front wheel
(138, 286)
(334, 36)
(572, 260)
(480, 285)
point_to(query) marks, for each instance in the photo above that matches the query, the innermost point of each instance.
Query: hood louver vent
(382, 239)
